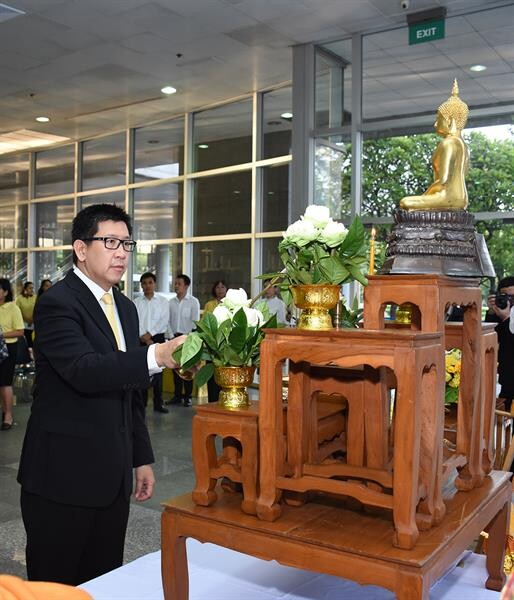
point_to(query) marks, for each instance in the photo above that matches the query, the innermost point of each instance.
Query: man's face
(508, 290)
(148, 287)
(180, 288)
(105, 267)
(29, 290)
(270, 292)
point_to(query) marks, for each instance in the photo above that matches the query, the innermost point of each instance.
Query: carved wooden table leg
(205, 458)
(489, 362)
(174, 572)
(496, 549)
(249, 466)
(271, 446)
(471, 402)
(431, 510)
(406, 443)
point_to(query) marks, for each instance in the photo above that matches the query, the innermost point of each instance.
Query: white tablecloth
(216, 573)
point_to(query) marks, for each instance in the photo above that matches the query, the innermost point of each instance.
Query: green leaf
(191, 349)
(204, 374)
(331, 270)
(355, 239)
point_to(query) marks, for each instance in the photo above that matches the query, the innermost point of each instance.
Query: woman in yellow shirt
(11, 322)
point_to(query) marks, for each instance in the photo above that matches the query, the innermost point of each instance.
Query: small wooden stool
(211, 421)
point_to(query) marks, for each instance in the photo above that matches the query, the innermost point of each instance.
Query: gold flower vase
(315, 301)
(233, 382)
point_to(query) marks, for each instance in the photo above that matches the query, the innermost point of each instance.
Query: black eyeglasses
(112, 243)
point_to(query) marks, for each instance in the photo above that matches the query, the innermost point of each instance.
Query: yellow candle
(372, 252)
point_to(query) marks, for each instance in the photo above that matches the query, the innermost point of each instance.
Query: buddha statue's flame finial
(454, 108)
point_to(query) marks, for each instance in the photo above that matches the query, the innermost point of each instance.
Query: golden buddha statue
(450, 161)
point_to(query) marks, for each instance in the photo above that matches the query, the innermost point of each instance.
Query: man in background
(86, 437)
(504, 316)
(184, 311)
(275, 304)
(26, 302)
(153, 312)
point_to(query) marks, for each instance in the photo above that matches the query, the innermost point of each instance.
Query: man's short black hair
(85, 224)
(506, 282)
(147, 275)
(185, 278)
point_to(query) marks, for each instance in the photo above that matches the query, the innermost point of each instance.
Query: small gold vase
(315, 301)
(233, 382)
(404, 313)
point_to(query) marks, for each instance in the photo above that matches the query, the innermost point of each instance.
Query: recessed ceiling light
(42, 119)
(203, 146)
(168, 89)
(287, 115)
(477, 68)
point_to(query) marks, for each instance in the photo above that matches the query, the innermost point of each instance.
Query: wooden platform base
(323, 537)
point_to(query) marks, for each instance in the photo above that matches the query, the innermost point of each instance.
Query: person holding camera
(501, 310)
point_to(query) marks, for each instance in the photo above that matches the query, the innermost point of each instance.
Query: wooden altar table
(431, 296)
(398, 484)
(325, 538)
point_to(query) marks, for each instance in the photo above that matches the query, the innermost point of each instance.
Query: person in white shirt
(153, 312)
(275, 304)
(184, 311)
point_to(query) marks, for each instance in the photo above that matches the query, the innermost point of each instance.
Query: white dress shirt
(183, 313)
(154, 314)
(511, 320)
(98, 292)
(277, 307)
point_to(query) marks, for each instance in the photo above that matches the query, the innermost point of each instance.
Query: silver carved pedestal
(441, 242)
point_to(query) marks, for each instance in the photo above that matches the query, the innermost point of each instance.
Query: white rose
(333, 234)
(253, 316)
(222, 314)
(301, 233)
(319, 216)
(235, 299)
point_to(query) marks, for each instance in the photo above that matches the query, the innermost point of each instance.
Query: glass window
(271, 262)
(222, 204)
(158, 212)
(117, 198)
(55, 172)
(275, 197)
(228, 260)
(14, 176)
(103, 162)
(159, 151)
(498, 236)
(401, 79)
(13, 226)
(13, 266)
(333, 91)
(332, 175)
(165, 260)
(491, 170)
(53, 223)
(277, 116)
(52, 264)
(223, 136)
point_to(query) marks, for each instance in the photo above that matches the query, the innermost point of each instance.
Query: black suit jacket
(86, 431)
(505, 351)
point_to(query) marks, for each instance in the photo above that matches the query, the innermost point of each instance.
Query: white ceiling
(95, 66)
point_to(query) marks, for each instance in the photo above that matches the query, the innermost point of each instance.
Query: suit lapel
(91, 305)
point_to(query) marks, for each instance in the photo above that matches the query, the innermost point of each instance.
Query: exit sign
(426, 31)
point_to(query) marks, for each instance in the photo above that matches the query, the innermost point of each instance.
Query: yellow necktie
(111, 317)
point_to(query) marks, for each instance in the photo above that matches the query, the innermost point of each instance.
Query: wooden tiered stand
(384, 475)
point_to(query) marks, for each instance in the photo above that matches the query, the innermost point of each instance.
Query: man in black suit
(86, 432)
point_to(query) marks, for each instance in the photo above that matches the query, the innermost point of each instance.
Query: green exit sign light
(426, 31)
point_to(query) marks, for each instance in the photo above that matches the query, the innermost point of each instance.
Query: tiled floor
(171, 439)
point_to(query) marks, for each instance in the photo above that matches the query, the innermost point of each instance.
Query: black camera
(503, 300)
